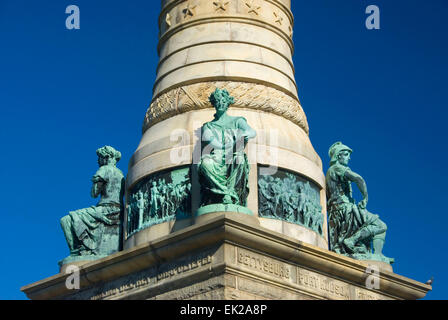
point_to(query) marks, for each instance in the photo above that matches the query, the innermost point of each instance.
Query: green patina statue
(353, 229)
(94, 232)
(224, 167)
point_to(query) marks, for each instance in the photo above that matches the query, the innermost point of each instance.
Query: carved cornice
(247, 95)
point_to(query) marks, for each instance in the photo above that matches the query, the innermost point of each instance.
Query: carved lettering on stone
(174, 269)
(322, 285)
(136, 284)
(148, 278)
(366, 295)
(264, 264)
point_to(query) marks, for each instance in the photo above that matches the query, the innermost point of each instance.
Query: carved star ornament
(221, 5)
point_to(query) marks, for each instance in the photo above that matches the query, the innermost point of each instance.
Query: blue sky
(65, 93)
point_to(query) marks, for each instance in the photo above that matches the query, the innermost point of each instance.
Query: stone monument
(225, 196)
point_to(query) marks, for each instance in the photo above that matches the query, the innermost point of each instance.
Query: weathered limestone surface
(228, 256)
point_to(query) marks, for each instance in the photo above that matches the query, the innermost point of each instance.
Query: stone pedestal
(227, 256)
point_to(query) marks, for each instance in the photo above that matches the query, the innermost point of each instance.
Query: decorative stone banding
(247, 95)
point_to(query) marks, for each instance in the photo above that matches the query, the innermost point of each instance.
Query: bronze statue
(352, 227)
(94, 231)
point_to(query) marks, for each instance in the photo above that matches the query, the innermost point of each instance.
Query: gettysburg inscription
(265, 265)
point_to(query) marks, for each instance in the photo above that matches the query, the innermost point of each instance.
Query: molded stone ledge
(294, 231)
(239, 231)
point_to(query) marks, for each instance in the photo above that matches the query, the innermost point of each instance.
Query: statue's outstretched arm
(362, 186)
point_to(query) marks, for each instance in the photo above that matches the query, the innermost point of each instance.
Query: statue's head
(108, 155)
(221, 100)
(340, 153)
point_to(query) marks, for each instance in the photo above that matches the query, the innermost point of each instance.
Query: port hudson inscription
(322, 285)
(264, 264)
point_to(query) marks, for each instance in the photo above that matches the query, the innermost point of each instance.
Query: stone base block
(223, 258)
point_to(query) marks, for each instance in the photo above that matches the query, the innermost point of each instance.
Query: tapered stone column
(246, 47)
